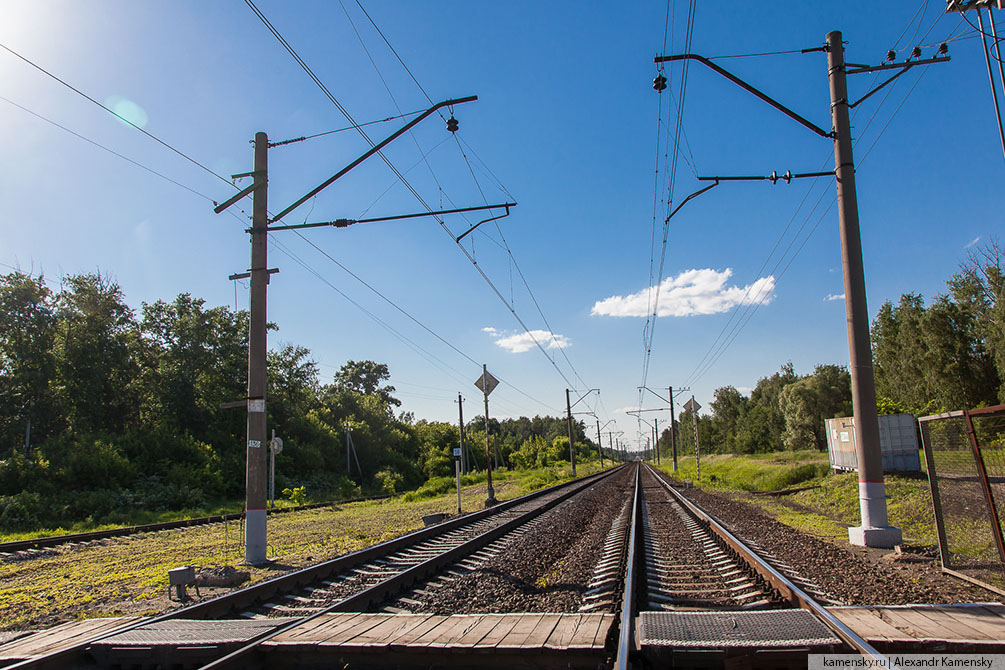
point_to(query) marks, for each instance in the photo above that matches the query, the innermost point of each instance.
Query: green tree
(27, 362)
(810, 401)
(97, 367)
(365, 378)
(979, 289)
(728, 408)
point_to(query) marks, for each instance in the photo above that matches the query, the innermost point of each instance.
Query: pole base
(491, 501)
(886, 538)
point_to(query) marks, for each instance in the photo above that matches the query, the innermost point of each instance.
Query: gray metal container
(898, 442)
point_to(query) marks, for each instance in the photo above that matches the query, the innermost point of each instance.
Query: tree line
(105, 408)
(943, 356)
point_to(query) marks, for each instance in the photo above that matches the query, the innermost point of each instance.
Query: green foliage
(951, 354)
(810, 401)
(761, 472)
(436, 486)
(297, 496)
(388, 481)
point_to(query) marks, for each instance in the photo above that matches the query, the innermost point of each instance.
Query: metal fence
(965, 454)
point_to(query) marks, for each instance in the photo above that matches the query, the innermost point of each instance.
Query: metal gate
(965, 454)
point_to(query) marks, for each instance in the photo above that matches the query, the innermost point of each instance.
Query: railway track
(692, 587)
(676, 586)
(348, 583)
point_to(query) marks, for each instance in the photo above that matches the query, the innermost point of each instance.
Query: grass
(129, 575)
(828, 508)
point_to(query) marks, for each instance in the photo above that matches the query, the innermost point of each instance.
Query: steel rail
(70, 538)
(378, 592)
(244, 598)
(780, 582)
(626, 630)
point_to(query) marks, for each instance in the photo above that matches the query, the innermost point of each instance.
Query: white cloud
(973, 242)
(834, 296)
(689, 293)
(521, 342)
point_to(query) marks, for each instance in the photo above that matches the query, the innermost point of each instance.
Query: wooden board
(500, 631)
(927, 624)
(341, 632)
(868, 624)
(60, 637)
(523, 629)
(475, 634)
(461, 631)
(391, 628)
(958, 623)
(563, 632)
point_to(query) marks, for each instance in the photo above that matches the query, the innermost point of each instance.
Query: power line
(673, 178)
(104, 148)
(474, 177)
(115, 114)
(348, 116)
(753, 305)
(341, 130)
(401, 177)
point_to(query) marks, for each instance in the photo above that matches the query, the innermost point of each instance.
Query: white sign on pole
(692, 406)
(486, 383)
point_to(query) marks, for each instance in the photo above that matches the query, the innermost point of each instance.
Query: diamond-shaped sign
(692, 406)
(486, 383)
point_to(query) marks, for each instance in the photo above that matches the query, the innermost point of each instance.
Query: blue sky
(566, 124)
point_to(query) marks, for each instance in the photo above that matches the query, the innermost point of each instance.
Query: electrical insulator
(891, 55)
(660, 82)
(452, 124)
(916, 52)
(787, 176)
(943, 49)
(773, 177)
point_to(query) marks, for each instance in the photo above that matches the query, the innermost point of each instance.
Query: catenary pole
(460, 425)
(491, 499)
(875, 530)
(697, 448)
(255, 484)
(600, 444)
(572, 450)
(656, 439)
(673, 430)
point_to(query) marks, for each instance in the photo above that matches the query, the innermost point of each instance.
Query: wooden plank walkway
(459, 631)
(59, 637)
(419, 640)
(966, 626)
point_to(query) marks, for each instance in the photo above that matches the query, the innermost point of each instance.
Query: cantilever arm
(690, 197)
(747, 87)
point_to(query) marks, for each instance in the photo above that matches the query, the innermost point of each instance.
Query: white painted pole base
(886, 538)
(254, 537)
(875, 530)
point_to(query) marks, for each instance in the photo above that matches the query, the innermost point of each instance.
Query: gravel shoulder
(854, 575)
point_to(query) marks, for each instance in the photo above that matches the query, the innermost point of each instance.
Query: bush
(437, 486)
(388, 481)
(297, 496)
(21, 512)
(96, 464)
